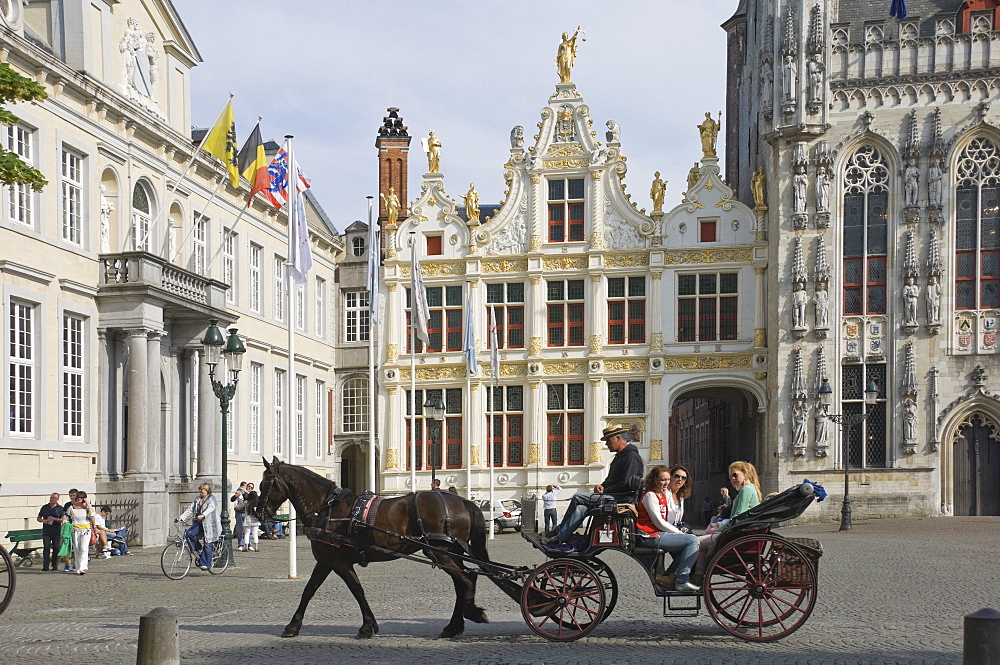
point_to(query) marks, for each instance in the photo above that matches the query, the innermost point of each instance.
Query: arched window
(140, 218)
(866, 216)
(354, 405)
(977, 226)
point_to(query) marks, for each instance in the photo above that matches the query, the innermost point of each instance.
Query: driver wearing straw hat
(626, 463)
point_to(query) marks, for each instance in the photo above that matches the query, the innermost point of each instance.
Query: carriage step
(674, 604)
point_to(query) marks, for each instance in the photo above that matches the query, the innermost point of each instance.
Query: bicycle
(177, 557)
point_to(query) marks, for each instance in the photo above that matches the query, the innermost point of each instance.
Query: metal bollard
(981, 638)
(159, 642)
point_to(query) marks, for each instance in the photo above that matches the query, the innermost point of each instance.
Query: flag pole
(293, 572)
(413, 369)
(201, 215)
(177, 183)
(493, 414)
(372, 327)
(468, 392)
(208, 268)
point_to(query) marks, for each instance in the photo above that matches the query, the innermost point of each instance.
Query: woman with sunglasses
(660, 511)
(743, 478)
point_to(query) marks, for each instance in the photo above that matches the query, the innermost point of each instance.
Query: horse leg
(465, 606)
(319, 575)
(369, 626)
(473, 612)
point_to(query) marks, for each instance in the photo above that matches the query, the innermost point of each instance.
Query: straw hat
(614, 430)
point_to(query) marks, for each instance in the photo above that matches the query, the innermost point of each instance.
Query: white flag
(420, 313)
(494, 353)
(469, 343)
(374, 256)
(302, 258)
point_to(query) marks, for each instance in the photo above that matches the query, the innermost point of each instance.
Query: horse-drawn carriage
(759, 585)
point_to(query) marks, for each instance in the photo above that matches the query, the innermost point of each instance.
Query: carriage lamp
(847, 421)
(233, 353)
(435, 413)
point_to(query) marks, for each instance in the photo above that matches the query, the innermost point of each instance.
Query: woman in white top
(549, 507)
(660, 511)
(81, 516)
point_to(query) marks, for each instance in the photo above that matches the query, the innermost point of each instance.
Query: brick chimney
(393, 145)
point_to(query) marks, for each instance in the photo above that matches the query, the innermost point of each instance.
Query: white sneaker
(106, 555)
(686, 586)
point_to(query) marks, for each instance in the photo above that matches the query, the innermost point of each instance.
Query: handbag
(93, 537)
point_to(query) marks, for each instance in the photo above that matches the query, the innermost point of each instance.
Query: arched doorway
(352, 468)
(976, 466)
(711, 427)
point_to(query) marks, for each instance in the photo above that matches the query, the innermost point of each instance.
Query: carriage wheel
(7, 579)
(610, 584)
(563, 600)
(760, 588)
(220, 556)
(176, 560)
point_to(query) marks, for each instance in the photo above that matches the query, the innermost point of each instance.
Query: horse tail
(477, 547)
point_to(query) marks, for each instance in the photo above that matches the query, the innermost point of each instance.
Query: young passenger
(743, 478)
(660, 510)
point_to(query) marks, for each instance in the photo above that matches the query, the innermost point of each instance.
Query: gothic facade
(879, 150)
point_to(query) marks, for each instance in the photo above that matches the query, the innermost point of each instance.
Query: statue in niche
(657, 191)
(815, 70)
(391, 201)
(613, 135)
(799, 183)
(566, 56)
(472, 203)
(799, 300)
(171, 240)
(517, 137)
(106, 208)
(911, 178)
(800, 416)
(822, 189)
(822, 428)
(693, 176)
(766, 82)
(934, 177)
(910, 294)
(822, 301)
(432, 146)
(709, 130)
(909, 419)
(758, 185)
(788, 78)
(933, 298)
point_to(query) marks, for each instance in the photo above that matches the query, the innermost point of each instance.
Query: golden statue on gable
(566, 55)
(709, 133)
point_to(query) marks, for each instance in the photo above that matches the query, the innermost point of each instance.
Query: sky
(326, 70)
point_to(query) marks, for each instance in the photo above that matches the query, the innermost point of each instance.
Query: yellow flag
(221, 142)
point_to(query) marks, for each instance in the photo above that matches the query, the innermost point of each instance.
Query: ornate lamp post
(435, 412)
(233, 353)
(848, 421)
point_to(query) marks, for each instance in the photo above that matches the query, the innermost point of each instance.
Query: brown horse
(445, 521)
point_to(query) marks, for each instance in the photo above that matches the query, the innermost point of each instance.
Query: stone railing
(144, 269)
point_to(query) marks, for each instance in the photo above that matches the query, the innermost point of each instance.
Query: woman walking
(207, 524)
(81, 517)
(251, 525)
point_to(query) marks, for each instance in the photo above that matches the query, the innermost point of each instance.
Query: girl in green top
(743, 478)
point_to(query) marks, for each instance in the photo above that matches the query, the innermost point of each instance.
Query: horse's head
(273, 491)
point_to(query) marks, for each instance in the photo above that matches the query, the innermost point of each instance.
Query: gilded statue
(391, 202)
(566, 56)
(657, 191)
(432, 146)
(472, 203)
(709, 133)
(693, 176)
(758, 185)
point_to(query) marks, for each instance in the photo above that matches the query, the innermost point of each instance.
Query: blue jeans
(239, 527)
(550, 519)
(193, 536)
(685, 545)
(577, 510)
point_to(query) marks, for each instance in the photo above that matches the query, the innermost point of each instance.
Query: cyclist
(207, 524)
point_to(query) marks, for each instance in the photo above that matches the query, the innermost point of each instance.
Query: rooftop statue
(566, 55)
(709, 133)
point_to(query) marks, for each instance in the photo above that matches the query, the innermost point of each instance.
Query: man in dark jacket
(626, 463)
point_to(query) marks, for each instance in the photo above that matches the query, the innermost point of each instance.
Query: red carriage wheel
(760, 587)
(563, 600)
(610, 584)
(7, 579)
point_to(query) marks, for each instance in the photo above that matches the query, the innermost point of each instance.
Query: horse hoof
(477, 615)
(451, 632)
(363, 634)
(289, 633)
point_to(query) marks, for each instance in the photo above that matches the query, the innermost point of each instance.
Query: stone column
(537, 232)
(154, 443)
(209, 452)
(105, 357)
(535, 427)
(760, 308)
(392, 458)
(138, 402)
(598, 313)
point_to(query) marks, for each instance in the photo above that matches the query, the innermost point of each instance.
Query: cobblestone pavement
(891, 591)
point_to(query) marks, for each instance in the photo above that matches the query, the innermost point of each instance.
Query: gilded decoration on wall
(597, 240)
(722, 255)
(391, 389)
(505, 266)
(625, 366)
(760, 338)
(391, 286)
(392, 458)
(656, 342)
(564, 163)
(719, 361)
(564, 263)
(434, 373)
(474, 454)
(535, 244)
(391, 353)
(595, 451)
(535, 453)
(626, 260)
(565, 368)
(535, 346)
(655, 449)
(436, 269)
(596, 343)
(535, 279)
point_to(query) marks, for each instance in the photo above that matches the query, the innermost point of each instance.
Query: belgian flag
(253, 162)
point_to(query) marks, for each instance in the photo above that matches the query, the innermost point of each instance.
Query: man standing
(626, 463)
(51, 516)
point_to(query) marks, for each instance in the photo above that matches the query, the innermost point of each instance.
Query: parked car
(506, 514)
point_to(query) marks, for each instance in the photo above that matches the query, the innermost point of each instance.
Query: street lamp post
(435, 412)
(847, 421)
(233, 353)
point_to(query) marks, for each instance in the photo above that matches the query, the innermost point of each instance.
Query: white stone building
(880, 150)
(110, 275)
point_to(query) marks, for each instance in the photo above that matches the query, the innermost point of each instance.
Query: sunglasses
(734, 474)
(680, 477)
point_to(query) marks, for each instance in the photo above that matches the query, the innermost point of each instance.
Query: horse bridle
(264, 491)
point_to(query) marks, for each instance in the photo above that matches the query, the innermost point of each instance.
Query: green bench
(21, 548)
(300, 528)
